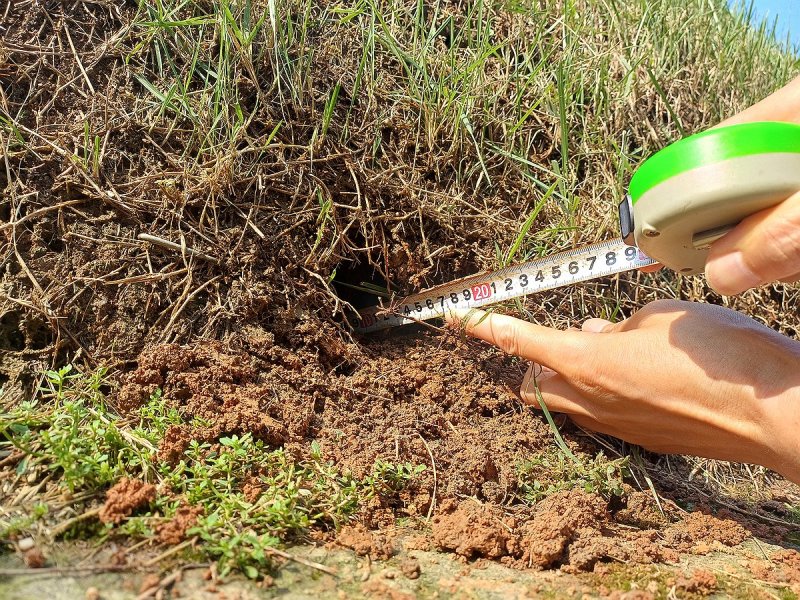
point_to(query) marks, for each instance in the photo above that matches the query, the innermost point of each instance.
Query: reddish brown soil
(641, 511)
(700, 529)
(410, 568)
(174, 530)
(473, 530)
(573, 530)
(34, 558)
(787, 563)
(366, 543)
(463, 411)
(701, 582)
(125, 497)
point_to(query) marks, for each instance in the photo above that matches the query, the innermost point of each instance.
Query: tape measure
(680, 201)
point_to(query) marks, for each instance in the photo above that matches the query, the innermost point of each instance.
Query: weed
(548, 473)
(253, 497)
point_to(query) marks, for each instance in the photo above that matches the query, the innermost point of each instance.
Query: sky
(787, 12)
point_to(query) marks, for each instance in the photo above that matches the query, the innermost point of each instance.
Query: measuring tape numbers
(547, 273)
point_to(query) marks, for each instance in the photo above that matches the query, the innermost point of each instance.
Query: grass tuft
(252, 497)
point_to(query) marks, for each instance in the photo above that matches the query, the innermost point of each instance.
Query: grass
(548, 473)
(529, 116)
(71, 441)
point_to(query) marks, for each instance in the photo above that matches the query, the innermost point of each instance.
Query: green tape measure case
(692, 192)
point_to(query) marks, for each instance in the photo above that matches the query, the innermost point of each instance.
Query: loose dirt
(462, 408)
(364, 542)
(174, 530)
(572, 530)
(702, 582)
(124, 497)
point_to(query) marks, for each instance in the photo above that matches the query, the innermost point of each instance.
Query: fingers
(765, 247)
(783, 105)
(597, 326)
(557, 394)
(550, 347)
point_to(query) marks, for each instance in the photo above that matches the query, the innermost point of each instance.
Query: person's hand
(677, 377)
(765, 247)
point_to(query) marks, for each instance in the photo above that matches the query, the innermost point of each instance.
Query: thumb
(765, 247)
(596, 325)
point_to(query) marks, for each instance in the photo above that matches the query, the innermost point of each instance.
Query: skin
(765, 247)
(682, 377)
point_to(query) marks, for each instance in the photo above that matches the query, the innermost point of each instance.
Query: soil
(410, 568)
(786, 566)
(174, 531)
(124, 497)
(572, 530)
(463, 407)
(364, 542)
(702, 582)
(698, 528)
(34, 558)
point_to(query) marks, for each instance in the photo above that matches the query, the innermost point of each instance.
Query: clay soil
(241, 325)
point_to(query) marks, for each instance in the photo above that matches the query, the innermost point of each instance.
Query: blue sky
(787, 12)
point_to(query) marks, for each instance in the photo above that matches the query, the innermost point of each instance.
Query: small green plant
(18, 524)
(548, 473)
(253, 497)
(387, 476)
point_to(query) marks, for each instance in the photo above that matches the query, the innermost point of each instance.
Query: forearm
(783, 105)
(786, 443)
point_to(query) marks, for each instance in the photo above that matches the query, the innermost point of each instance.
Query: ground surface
(416, 574)
(193, 192)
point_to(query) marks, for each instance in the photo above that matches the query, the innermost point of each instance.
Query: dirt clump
(207, 383)
(699, 530)
(34, 558)
(641, 511)
(567, 522)
(787, 562)
(410, 568)
(252, 489)
(702, 582)
(174, 531)
(125, 497)
(565, 529)
(364, 542)
(473, 530)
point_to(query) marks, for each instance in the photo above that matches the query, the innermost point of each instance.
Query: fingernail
(728, 274)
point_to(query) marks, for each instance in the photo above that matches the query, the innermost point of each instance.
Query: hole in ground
(11, 335)
(354, 282)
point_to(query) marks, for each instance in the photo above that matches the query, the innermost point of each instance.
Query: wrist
(784, 445)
